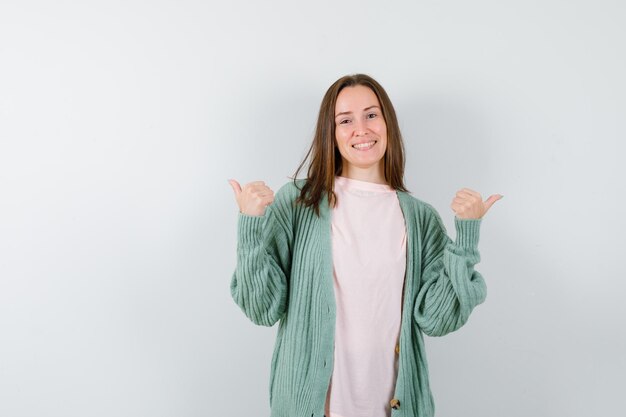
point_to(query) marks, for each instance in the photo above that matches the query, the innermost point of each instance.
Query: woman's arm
(450, 287)
(260, 282)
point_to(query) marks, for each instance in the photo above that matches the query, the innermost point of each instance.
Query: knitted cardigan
(285, 273)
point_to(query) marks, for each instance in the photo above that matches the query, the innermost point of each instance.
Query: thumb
(492, 199)
(236, 187)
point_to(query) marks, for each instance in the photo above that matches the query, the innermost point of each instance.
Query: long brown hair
(325, 157)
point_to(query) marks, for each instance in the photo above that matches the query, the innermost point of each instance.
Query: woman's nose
(360, 129)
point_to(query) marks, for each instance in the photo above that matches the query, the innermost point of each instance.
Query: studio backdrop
(121, 122)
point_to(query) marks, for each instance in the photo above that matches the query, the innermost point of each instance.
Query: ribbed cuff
(249, 229)
(467, 232)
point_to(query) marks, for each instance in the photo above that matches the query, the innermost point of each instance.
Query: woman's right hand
(253, 197)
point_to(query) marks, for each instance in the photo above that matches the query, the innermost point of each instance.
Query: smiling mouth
(365, 146)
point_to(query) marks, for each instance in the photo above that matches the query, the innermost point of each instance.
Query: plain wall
(121, 121)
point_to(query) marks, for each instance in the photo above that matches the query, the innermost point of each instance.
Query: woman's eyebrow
(365, 109)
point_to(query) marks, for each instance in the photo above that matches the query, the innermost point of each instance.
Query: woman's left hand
(468, 204)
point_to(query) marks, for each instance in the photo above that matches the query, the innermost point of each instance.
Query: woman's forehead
(356, 98)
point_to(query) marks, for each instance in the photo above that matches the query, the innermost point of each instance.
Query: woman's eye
(344, 121)
(371, 115)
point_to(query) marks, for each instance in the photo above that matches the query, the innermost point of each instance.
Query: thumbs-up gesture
(253, 197)
(468, 204)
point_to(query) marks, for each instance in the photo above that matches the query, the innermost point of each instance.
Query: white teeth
(364, 145)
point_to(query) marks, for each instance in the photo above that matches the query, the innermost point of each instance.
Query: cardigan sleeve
(450, 287)
(259, 284)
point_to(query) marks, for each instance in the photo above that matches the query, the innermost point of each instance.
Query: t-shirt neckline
(351, 183)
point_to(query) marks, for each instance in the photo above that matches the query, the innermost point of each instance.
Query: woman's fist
(468, 204)
(253, 198)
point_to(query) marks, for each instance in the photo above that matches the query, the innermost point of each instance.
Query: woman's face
(360, 129)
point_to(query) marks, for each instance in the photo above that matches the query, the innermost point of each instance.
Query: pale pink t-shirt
(369, 261)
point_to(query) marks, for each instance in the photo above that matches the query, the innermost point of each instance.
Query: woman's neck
(370, 174)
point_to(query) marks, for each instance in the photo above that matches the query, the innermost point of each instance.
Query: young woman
(354, 268)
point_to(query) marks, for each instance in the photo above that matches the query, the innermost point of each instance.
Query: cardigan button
(398, 349)
(395, 403)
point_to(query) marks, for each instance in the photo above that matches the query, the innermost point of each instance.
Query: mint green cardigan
(284, 274)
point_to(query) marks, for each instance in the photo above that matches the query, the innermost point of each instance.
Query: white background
(121, 121)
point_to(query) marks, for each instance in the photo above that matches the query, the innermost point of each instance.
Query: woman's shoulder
(425, 213)
(291, 189)
(417, 203)
(287, 194)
